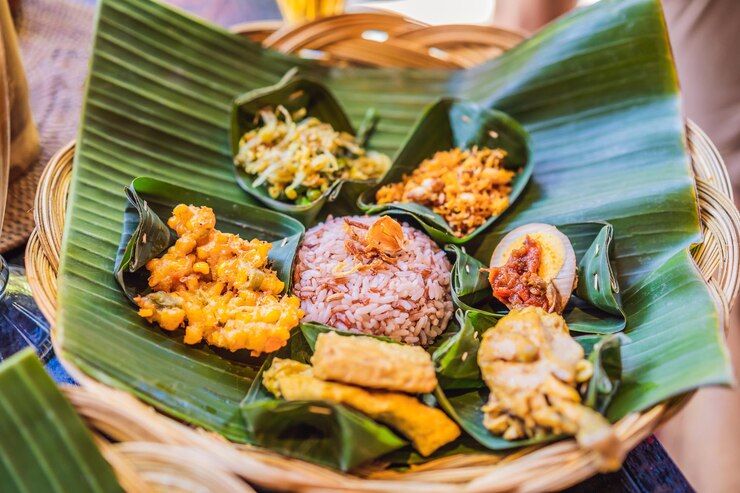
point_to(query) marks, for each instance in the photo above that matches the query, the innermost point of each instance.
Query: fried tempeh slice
(427, 428)
(372, 363)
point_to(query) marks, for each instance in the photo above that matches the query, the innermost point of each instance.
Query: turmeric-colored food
(218, 287)
(465, 187)
(427, 428)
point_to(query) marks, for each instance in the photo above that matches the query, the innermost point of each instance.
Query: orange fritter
(218, 287)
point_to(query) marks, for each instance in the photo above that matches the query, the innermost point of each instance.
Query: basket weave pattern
(149, 450)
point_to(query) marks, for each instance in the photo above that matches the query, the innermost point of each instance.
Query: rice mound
(408, 300)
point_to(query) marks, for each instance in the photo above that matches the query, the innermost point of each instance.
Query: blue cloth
(57, 371)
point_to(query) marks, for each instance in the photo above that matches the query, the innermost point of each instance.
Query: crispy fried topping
(373, 245)
(464, 187)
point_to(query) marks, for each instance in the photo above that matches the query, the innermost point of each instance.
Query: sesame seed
(284, 242)
(596, 282)
(464, 355)
(143, 238)
(493, 134)
(596, 252)
(467, 268)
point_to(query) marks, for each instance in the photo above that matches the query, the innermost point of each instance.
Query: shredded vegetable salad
(298, 158)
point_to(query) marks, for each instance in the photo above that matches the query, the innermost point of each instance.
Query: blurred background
(704, 439)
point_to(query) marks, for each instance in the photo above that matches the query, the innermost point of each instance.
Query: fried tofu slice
(372, 363)
(427, 428)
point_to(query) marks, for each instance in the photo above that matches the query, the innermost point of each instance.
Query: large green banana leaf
(596, 91)
(44, 445)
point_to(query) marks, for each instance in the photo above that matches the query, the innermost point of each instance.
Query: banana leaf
(456, 360)
(597, 308)
(312, 330)
(44, 445)
(669, 304)
(317, 431)
(596, 91)
(460, 124)
(146, 235)
(295, 93)
(604, 353)
(464, 405)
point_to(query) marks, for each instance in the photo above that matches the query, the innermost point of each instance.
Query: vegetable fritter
(218, 287)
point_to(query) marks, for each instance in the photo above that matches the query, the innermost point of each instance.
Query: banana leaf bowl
(619, 152)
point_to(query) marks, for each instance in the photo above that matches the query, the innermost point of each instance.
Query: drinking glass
(301, 11)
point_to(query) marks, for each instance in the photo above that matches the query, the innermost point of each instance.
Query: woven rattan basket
(151, 451)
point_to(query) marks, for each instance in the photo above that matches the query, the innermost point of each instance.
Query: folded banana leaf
(453, 123)
(44, 445)
(604, 353)
(295, 93)
(597, 309)
(312, 330)
(146, 235)
(596, 91)
(456, 360)
(464, 405)
(317, 431)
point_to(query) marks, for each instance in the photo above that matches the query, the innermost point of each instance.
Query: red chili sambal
(517, 283)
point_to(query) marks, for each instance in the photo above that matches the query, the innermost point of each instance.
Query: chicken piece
(373, 363)
(427, 428)
(531, 365)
